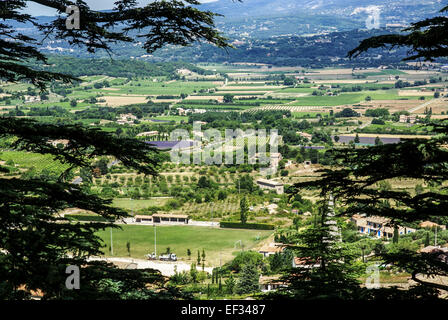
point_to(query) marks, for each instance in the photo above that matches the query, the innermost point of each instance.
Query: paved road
(166, 268)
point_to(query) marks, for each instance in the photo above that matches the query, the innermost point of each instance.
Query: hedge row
(239, 225)
(81, 217)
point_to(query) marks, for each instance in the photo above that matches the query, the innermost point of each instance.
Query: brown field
(350, 81)
(417, 93)
(439, 117)
(165, 100)
(439, 105)
(393, 105)
(115, 101)
(247, 82)
(331, 71)
(288, 95)
(267, 88)
(421, 73)
(219, 98)
(244, 92)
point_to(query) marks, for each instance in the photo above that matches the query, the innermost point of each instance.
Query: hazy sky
(38, 10)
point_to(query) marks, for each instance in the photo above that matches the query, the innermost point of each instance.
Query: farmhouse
(305, 135)
(127, 118)
(267, 284)
(271, 249)
(377, 226)
(303, 263)
(55, 143)
(407, 119)
(148, 134)
(184, 72)
(31, 99)
(429, 224)
(271, 185)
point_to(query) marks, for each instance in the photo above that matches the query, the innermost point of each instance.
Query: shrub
(239, 225)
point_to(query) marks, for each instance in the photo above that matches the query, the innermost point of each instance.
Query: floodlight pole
(155, 240)
(111, 243)
(435, 238)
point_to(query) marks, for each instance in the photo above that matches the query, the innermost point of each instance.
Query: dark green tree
(128, 247)
(245, 183)
(378, 141)
(427, 240)
(248, 281)
(396, 236)
(230, 284)
(244, 209)
(228, 98)
(189, 254)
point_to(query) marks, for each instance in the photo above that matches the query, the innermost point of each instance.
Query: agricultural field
(26, 160)
(132, 205)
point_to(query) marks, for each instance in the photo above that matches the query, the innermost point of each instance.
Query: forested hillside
(115, 67)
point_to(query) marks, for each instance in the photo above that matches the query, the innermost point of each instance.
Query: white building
(271, 185)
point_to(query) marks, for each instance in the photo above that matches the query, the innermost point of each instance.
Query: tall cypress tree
(395, 235)
(243, 210)
(427, 240)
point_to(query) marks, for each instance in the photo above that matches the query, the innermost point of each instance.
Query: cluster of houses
(32, 99)
(407, 119)
(272, 283)
(305, 135)
(184, 112)
(126, 118)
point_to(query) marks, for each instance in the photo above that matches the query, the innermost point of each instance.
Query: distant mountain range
(285, 32)
(254, 8)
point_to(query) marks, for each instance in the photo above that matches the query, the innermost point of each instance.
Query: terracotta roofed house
(271, 249)
(430, 224)
(377, 226)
